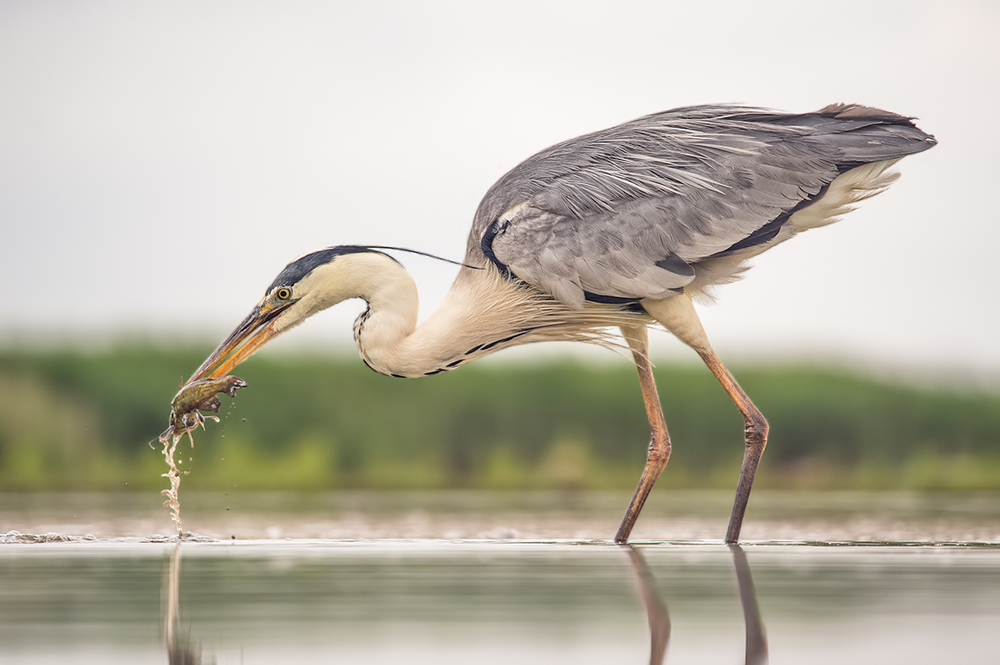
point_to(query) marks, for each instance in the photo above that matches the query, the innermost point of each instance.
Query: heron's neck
(463, 327)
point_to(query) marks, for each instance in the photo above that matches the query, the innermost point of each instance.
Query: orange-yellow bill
(250, 335)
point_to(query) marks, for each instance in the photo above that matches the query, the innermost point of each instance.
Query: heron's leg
(677, 314)
(755, 438)
(659, 441)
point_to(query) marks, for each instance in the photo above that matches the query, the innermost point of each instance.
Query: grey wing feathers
(626, 213)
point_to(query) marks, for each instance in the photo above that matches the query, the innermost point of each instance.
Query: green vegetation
(75, 420)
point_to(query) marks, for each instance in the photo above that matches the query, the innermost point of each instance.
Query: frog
(192, 399)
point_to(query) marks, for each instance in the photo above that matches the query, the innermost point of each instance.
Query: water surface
(459, 577)
(442, 601)
(668, 515)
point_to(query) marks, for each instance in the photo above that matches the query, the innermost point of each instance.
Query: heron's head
(310, 283)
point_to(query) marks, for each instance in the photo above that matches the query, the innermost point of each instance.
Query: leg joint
(659, 442)
(659, 452)
(755, 423)
(755, 430)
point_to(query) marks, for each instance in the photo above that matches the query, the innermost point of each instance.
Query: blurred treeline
(82, 420)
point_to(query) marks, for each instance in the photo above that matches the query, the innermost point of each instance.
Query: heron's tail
(865, 134)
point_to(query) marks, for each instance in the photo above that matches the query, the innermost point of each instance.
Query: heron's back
(680, 198)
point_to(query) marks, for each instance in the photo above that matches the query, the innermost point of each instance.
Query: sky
(161, 162)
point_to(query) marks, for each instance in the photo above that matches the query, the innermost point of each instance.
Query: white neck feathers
(483, 312)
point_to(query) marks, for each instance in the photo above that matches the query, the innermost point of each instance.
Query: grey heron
(615, 229)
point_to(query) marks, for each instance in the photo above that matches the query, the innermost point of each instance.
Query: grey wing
(628, 212)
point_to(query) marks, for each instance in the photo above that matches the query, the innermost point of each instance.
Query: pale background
(161, 162)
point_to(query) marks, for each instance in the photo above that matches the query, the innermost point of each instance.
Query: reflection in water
(659, 618)
(180, 651)
(493, 603)
(656, 611)
(756, 637)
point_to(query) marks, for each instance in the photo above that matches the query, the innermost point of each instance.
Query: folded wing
(630, 212)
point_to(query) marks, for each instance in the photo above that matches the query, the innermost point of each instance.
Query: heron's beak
(250, 335)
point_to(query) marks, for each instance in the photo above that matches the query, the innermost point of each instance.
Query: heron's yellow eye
(283, 294)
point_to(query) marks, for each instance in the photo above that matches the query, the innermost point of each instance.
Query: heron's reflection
(656, 611)
(756, 651)
(659, 618)
(180, 650)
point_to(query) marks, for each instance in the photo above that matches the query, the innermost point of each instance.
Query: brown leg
(678, 316)
(659, 443)
(755, 438)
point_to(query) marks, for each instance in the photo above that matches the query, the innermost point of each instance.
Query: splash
(174, 475)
